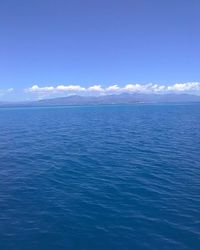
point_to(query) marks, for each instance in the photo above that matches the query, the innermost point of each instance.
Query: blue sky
(90, 43)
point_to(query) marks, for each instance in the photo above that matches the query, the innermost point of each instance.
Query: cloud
(37, 89)
(181, 87)
(95, 88)
(113, 88)
(6, 91)
(157, 88)
(10, 90)
(70, 88)
(135, 88)
(188, 87)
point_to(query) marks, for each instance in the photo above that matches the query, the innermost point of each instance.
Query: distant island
(124, 98)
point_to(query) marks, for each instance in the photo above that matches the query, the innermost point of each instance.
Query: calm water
(100, 178)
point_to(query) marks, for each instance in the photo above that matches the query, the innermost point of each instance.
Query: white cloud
(37, 89)
(113, 88)
(158, 88)
(95, 88)
(181, 87)
(135, 88)
(188, 87)
(70, 88)
(145, 88)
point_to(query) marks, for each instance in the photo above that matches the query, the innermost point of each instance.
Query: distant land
(107, 99)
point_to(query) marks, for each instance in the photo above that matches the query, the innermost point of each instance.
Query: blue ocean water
(100, 178)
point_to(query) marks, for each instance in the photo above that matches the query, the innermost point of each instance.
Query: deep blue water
(100, 178)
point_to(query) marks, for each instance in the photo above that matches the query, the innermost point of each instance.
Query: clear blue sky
(106, 42)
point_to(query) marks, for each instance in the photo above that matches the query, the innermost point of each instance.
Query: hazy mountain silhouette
(124, 98)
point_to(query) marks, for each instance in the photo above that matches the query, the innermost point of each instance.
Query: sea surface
(100, 177)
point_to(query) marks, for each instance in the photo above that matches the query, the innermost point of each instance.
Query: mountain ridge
(124, 98)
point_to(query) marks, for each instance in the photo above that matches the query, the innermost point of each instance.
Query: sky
(58, 47)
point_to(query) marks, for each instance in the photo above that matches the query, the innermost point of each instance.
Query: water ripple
(124, 177)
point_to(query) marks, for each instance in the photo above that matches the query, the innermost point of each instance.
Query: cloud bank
(188, 87)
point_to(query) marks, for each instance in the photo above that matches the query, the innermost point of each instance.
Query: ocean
(100, 177)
